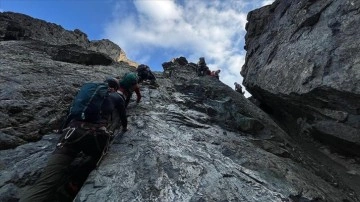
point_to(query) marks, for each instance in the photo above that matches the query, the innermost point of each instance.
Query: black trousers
(58, 169)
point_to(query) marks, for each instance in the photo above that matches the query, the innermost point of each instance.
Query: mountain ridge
(191, 139)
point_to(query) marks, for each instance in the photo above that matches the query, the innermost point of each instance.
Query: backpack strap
(121, 95)
(123, 92)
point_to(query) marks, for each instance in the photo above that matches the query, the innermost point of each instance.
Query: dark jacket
(115, 103)
(144, 73)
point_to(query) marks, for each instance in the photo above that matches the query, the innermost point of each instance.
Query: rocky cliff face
(15, 26)
(190, 139)
(302, 64)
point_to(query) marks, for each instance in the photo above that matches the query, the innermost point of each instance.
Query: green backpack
(129, 80)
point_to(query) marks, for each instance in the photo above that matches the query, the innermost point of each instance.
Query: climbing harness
(88, 127)
(69, 132)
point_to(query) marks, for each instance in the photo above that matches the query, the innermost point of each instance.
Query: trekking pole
(107, 147)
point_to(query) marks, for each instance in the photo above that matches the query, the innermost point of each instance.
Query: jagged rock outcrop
(302, 65)
(109, 48)
(190, 139)
(186, 140)
(36, 86)
(15, 26)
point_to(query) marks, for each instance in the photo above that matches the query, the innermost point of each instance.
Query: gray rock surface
(302, 65)
(190, 139)
(15, 26)
(36, 89)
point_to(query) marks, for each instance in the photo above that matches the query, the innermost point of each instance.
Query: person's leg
(93, 146)
(53, 175)
(127, 100)
(82, 171)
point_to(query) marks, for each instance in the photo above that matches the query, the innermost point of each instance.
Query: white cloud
(267, 2)
(213, 29)
(158, 10)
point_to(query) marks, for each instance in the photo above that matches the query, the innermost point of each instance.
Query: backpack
(129, 80)
(142, 68)
(87, 103)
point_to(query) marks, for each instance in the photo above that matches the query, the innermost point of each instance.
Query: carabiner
(69, 133)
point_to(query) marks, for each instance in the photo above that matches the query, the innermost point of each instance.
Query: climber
(80, 137)
(216, 73)
(144, 73)
(238, 88)
(202, 68)
(129, 84)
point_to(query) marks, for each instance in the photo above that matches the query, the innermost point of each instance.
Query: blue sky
(155, 31)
